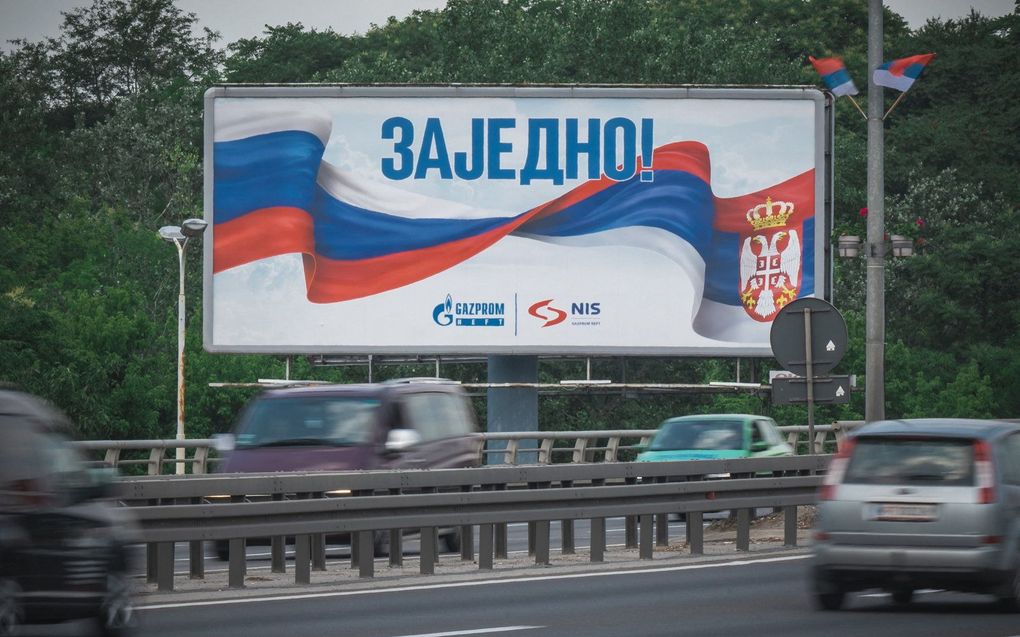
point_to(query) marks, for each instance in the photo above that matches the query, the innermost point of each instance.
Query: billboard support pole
(512, 408)
(874, 397)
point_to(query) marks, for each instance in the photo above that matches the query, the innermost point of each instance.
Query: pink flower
(864, 211)
(919, 222)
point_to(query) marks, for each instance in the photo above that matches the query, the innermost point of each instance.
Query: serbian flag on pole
(900, 74)
(835, 75)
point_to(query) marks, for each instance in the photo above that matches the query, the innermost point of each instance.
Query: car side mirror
(759, 446)
(224, 443)
(400, 440)
(99, 483)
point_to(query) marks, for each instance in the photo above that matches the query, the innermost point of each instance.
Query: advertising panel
(511, 220)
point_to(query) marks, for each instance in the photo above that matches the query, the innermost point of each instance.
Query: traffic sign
(828, 390)
(828, 336)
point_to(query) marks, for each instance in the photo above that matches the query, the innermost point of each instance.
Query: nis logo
(473, 314)
(583, 313)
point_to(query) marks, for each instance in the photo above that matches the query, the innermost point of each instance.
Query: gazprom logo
(469, 314)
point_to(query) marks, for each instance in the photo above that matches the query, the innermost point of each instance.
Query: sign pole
(809, 375)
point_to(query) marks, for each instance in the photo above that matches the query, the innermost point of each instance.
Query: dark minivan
(417, 423)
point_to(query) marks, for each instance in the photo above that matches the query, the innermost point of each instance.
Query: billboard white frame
(821, 130)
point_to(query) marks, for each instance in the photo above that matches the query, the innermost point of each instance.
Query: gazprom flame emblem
(443, 313)
(770, 260)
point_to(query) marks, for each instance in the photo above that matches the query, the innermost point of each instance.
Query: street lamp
(849, 246)
(179, 235)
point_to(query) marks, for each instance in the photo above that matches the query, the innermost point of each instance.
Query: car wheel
(1009, 598)
(830, 601)
(902, 596)
(116, 615)
(10, 614)
(451, 542)
(829, 595)
(222, 548)
(381, 543)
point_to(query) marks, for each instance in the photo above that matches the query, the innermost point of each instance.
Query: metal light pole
(874, 397)
(179, 235)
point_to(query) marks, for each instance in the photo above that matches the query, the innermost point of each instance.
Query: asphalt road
(762, 598)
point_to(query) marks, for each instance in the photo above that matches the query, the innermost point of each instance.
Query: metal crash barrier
(365, 504)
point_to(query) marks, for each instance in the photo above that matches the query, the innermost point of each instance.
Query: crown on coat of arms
(770, 214)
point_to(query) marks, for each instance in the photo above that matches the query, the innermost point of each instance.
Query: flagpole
(854, 102)
(893, 105)
(874, 395)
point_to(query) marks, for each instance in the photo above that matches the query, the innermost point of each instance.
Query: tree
(287, 53)
(118, 48)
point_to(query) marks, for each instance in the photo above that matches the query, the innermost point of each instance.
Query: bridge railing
(156, 457)
(477, 502)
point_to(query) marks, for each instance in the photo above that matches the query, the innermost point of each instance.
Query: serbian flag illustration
(630, 246)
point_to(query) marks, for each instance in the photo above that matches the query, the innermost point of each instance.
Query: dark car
(63, 547)
(929, 503)
(403, 424)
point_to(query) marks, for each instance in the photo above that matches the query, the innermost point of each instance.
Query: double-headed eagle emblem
(770, 260)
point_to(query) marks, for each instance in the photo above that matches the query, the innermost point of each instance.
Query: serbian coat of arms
(770, 260)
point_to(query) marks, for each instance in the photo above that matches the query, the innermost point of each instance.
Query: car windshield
(308, 420)
(912, 461)
(699, 434)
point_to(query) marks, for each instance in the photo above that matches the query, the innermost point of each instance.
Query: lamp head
(848, 246)
(902, 246)
(193, 227)
(171, 234)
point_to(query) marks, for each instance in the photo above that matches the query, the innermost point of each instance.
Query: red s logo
(552, 316)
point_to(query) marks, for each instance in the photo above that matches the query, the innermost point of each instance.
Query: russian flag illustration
(835, 75)
(902, 73)
(273, 194)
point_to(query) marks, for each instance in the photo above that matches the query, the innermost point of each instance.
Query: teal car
(716, 437)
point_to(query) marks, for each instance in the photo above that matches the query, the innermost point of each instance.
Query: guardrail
(305, 506)
(514, 448)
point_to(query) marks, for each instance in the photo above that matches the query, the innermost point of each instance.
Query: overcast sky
(235, 19)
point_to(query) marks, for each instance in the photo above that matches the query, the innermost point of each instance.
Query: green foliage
(963, 114)
(102, 144)
(287, 54)
(114, 49)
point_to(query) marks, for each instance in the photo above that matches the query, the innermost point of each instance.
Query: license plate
(898, 512)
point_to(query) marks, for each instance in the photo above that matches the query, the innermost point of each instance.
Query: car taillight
(837, 469)
(984, 471)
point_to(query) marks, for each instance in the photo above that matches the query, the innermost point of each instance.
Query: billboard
(511, 220)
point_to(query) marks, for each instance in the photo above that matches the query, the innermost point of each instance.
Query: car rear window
(699, 434)
(932, 461)
(308, 420)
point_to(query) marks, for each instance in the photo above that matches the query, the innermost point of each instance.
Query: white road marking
(476, 631)
(510, 580)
